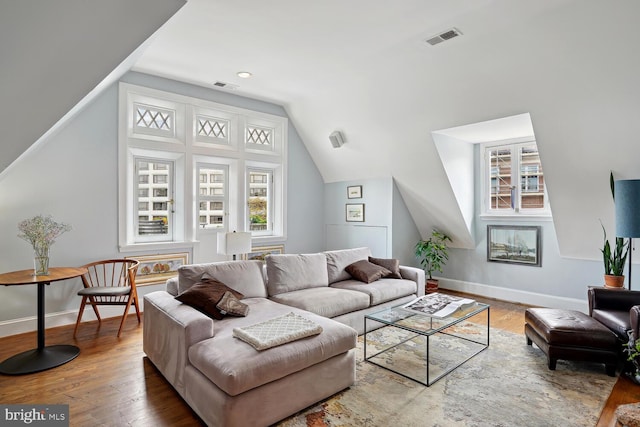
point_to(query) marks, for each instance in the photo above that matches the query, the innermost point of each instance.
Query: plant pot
(613, 281)
(431, 286)
(634, 377)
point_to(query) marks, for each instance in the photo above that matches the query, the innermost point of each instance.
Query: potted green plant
(614, 261)
(433, 254)
(632, 349)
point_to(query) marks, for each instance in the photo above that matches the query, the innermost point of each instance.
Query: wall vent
(223, 85)
(442, 37)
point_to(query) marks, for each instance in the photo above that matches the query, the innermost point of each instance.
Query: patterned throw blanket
(277, 331)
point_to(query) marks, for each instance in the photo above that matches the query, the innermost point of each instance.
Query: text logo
(34, 415)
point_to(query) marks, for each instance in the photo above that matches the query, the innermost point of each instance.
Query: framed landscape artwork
(514, 244)
(355, 212)
(154, 269)
(260, 252)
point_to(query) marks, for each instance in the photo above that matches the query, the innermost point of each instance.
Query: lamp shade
(234, 243)
(627, 202)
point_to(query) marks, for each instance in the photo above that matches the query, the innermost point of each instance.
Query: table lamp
(234, 243)
(627, 205)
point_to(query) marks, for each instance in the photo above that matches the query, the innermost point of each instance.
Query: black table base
(37, 360)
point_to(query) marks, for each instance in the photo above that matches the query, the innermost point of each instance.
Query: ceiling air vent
(224, 85)
(442, 37)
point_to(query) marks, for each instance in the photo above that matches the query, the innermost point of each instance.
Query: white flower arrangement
(41, 231)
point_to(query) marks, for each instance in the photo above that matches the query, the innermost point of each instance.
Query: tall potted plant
(615, 261)
(433, 253)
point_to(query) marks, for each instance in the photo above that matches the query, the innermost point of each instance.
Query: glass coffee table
(425, 348)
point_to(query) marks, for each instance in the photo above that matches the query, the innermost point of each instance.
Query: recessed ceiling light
(244, 74)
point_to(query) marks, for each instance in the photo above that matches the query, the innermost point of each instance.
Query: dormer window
(513, 180)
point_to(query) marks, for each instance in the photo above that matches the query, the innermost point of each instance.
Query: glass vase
(41, 261)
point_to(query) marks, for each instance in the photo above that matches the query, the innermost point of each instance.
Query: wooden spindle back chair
(109, 282)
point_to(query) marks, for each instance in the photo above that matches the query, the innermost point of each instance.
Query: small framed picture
(514, 244)
(355, 212)
(354, 192)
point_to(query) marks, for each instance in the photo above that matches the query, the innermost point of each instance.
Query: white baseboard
(30, 324)
(514, 295)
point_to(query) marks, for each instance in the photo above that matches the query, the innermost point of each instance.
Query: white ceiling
(363, 67)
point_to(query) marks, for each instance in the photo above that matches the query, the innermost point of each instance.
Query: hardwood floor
(112, 383)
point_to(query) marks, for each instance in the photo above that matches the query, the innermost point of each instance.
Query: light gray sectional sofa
(229, 383)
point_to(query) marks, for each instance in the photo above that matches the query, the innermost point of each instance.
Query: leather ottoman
(571, 335)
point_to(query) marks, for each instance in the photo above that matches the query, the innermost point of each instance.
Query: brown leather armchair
(617, 309)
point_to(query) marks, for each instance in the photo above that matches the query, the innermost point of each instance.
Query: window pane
(531, 179)
(216, 177)
(259, 136)
(259, 203)
(153, 212)
(500, 178)
(212, 186)
(215, 184)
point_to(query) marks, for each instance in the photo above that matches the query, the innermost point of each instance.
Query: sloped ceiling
(55, 53)
(363, 67)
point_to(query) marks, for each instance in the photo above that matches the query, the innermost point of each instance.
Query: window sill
(159, 246)
(518, 217)
(268, 240)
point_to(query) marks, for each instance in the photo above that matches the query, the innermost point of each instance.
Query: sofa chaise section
(233, 375)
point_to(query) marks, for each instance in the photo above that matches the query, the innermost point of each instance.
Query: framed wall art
(514, 244)
(354, 192)
(355, 212)
(155, 269)
(260, 252)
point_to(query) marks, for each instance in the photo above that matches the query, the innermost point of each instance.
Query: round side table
(42, 357)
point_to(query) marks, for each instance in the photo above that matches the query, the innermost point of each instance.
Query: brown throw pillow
(391, 264)
(365, 271)
(205, 295)
(231, 305)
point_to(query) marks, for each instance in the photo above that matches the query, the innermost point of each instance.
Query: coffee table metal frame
(392, 317)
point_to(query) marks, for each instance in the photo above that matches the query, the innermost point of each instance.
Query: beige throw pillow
(204, 296)
(231, 305)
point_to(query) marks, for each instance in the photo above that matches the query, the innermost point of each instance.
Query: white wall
(458, 161)
(388, 229)
(73, 176)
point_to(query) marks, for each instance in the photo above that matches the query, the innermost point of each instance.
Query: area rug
(508, 384)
